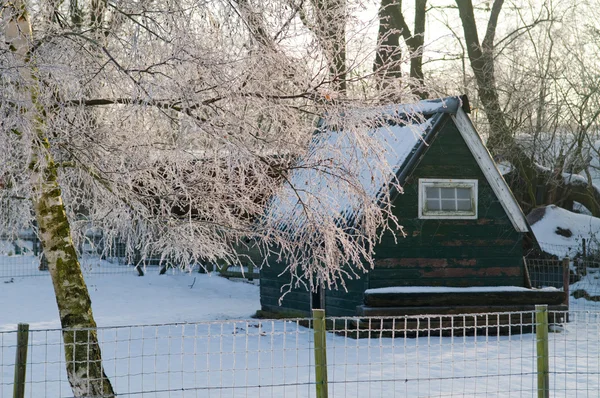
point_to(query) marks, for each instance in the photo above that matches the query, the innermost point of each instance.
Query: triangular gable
(490, 171)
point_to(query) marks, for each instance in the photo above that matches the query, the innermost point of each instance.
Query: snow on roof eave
(408, 163)
(413, 158)
(448, 289)
(490, 171)
(430, 107)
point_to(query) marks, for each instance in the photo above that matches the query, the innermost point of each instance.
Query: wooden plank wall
(272, 286)
(339, 301)
(343, 301)
(482, 252)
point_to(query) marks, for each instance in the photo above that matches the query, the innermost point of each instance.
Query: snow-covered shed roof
(402, 133)
(561, 232)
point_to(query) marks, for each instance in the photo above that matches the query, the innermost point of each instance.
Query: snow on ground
(128, 299)
(560, 232)
(588, 284)
(208, 356)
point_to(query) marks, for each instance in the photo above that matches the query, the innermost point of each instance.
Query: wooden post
(566, 278)
(320, 353)
(21, 360)
(583, 246)
(527, 276)
(250, 271)
(543, 367)
(224, 269)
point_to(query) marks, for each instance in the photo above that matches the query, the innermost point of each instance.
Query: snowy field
(199, 341)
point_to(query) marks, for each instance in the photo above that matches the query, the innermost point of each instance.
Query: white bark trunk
(82, 352)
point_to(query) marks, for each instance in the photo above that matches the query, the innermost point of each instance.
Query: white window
(447, 198)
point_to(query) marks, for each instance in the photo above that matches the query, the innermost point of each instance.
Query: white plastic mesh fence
(452, 356)
(481, 355)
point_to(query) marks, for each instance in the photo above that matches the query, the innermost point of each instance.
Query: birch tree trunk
(82, 352)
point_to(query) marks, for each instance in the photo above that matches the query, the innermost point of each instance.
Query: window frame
(425, 183)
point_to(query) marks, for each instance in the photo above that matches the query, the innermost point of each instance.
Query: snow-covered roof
(320, 181)
(561, 232)
(339, 157)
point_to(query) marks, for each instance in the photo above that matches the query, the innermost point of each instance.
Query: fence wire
(472, 355)
(583, 276)
(210, 359)
(28, 265)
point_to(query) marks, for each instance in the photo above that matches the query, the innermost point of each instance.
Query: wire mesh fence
(543, 273)
(585, 248)
(474, 355)
(580, 277)
(18, 266)
(238, 358)
(29, 265)
(22, 256)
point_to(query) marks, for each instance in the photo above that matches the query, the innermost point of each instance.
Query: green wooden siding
(338, 302)
(482, 252)
(343, 302)
(272, 287)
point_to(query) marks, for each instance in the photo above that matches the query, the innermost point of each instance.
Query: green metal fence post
(320, 353)
(21, 360)
(543, 367)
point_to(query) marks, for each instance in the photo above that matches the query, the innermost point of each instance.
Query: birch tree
(168, 126)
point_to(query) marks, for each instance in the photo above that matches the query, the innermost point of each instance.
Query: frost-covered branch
(180, 121)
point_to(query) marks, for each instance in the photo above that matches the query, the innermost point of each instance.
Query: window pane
(448, 199)
(433, 205)
(464, 204)
(448, 193)
(432, 192)
(463, 193)
(448, 204)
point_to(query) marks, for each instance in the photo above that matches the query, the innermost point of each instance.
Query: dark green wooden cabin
(464, 227)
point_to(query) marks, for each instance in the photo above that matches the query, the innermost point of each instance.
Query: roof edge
(492, 174)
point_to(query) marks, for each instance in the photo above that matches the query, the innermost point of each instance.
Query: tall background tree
(532, 84)
(388, 59)
(511, 57)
